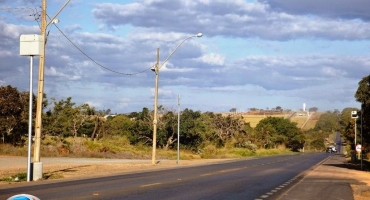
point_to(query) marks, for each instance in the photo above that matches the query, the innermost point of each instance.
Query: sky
(253, 53)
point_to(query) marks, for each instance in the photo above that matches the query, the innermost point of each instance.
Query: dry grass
(300, 120)
(255, 119)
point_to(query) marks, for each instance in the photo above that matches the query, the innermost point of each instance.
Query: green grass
(15, 178)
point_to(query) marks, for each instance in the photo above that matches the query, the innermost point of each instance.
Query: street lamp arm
(197, 35)
(60, 10)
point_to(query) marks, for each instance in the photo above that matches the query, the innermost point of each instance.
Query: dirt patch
(65, 171)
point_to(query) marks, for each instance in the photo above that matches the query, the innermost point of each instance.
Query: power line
(34, 12)
(36, 15)
(126, 74)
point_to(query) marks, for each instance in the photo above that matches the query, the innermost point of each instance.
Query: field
(312, 121)
(302, 121)
(255, 119)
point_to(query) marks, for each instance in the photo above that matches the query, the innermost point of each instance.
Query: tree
(11, 109)
(362, 95)
(191, 129)
(227, 127)
(279, 109)
(347, 125)
(313, 109)
(328, 122)
(122, 125)
(143, 128)
(233, 110)
(168, 138)
(65, 118)
(277, 130)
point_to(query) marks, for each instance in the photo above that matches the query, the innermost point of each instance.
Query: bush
(241, 152)
(210, 151)
(250, 146)
(317, 145)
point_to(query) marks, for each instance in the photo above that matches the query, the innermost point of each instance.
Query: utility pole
(178, 129)
(156, 71)
(37, 165)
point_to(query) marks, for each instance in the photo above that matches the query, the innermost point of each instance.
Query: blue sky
(253, 54)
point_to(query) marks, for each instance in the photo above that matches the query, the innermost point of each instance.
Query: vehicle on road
(331, 149)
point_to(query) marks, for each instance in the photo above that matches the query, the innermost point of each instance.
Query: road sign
(358, 148)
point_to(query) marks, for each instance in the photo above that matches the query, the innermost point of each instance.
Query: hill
(304, 121)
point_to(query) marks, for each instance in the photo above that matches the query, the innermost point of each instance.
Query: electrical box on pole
(31, 45)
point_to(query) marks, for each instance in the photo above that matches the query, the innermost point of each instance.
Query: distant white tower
(304, 106)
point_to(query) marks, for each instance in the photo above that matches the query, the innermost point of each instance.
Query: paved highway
(259, 178)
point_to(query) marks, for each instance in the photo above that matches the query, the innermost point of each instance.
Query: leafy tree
(313, 109)
(233, 110)
(191, 129)
(169, 132)
(328, 122)
(317, 144)
(362, 95)
(122, 125)
(347, 125)
(65, 118)
(13, 106)
(266, 135)
(143, 128)
(227, 127)
(277, 130)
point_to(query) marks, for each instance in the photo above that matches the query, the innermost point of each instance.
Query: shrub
(210, 151)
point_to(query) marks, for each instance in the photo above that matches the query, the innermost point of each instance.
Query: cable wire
(126, 74)
(34, 12)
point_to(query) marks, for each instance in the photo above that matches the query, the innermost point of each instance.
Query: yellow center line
(148, 185)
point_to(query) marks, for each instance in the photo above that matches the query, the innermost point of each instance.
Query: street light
(155, 69)
(354, 115)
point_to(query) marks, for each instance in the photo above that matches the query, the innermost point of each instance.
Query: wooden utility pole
(40, 93)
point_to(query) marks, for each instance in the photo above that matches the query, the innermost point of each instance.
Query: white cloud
(230, 19)
(330, 71)
(246, 58)
(213, 59)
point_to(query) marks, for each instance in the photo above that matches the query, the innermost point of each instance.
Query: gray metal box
(31, 45)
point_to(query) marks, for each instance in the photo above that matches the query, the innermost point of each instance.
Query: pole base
(37, 171)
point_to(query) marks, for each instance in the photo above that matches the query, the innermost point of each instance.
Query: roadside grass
(119, 147)
(211, 152)
(7, 149)
(15, 178)
(22, 177)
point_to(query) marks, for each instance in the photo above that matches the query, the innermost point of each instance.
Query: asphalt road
(262, 178)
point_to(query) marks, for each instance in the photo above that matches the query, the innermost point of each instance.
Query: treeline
(63, 118)
(66, 119)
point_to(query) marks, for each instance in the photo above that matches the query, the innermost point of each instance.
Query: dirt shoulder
(64, 168)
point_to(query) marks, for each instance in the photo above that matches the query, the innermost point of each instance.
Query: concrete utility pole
(156, 71)
(178, 129)
(37, 165)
